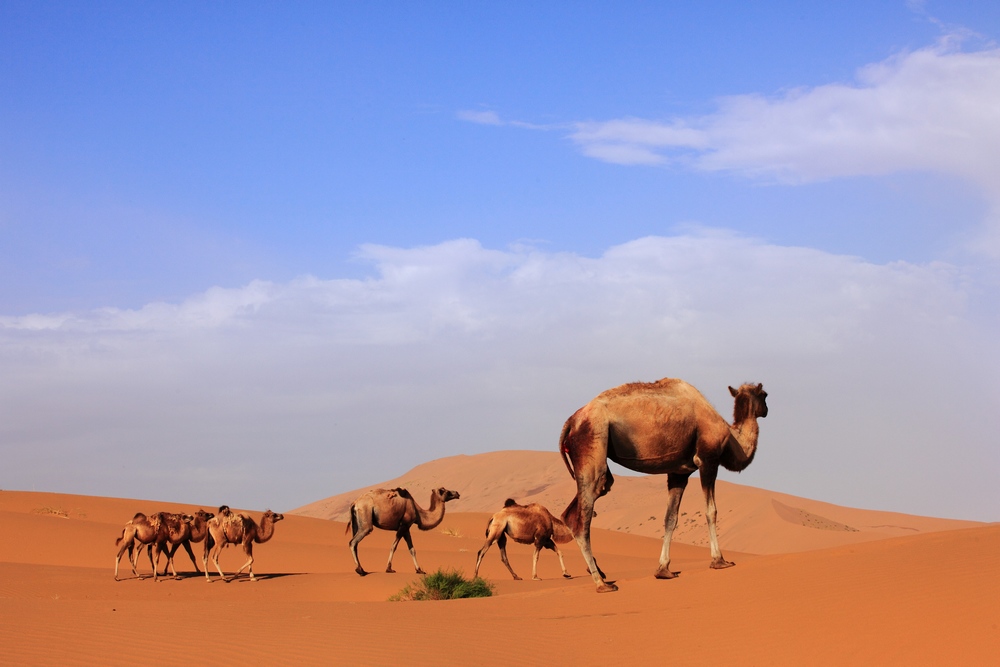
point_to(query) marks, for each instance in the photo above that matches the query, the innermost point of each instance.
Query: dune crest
(751, 520)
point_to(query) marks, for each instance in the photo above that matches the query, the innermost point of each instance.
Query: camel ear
(760, 385)
(733, 392)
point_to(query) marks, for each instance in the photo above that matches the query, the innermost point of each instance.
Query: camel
(186, 529)
(527, 524)
(395, 509)
(656, 427)
(154, 531)
(228, 527)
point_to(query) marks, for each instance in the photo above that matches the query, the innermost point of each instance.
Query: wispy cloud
(313, 384)
(935, 109)
(480, 117)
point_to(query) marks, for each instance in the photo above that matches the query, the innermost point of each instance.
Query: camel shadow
(263, 577)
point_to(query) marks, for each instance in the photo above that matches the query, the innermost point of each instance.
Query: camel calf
(527, 524)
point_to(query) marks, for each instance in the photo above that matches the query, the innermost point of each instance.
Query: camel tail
(353, 525)
(564, 446)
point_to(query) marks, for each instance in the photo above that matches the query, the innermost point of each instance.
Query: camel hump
(402, 493)
(509, 502)
(139, 516)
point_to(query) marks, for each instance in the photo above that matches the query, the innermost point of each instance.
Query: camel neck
(742, 445)
(266, 529)
(432, 516)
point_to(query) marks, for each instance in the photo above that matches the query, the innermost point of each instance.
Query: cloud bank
(276, 394)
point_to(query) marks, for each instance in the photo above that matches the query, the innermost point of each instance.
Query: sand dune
(750, 519)
(922, 598)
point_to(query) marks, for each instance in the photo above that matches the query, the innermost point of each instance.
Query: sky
(261, 254)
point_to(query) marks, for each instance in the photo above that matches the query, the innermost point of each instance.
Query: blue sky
(358, 237)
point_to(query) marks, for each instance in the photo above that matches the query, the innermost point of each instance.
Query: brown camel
(656, 427)
(228, 527)
(154, 531)
(186, 529)
(527, 524)
(395, 509)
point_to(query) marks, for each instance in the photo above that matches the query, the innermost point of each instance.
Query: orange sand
(925, 598)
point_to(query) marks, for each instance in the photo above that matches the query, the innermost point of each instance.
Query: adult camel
(154, 531)
(184, 529)
(656, 427)
(395, 509)
(228, 527)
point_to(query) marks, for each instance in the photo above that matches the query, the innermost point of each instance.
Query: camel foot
(419, 571)
(536, 578)
(607, 588)
(665, 573)
(391, 571)
(517, 578)
(360, 572)
(720, 563)
(567, 575)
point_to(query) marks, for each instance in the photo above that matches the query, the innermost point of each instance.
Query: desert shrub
(444, 585)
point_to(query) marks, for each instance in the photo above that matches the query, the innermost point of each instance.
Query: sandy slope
(918, 599)
(750, 519)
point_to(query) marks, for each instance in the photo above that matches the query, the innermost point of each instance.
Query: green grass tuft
(444, 585)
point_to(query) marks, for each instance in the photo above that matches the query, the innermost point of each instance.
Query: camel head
(750, 402)
(445, 495)
(273, 516)
(203, 515)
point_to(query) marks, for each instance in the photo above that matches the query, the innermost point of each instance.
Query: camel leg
(534, 563)
(248, 549)
(155, 549)
(413, 552)
(482, 552)
(187, 547)
(170, 561)
(502, 543)
(562, 563)
(708, 486)
(362, 531)
(216, 550)
(676, 483)
(122, 549)
(392, 550)
(209, 543)
(586, 495)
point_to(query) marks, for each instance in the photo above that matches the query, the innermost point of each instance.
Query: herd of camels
(664, 427)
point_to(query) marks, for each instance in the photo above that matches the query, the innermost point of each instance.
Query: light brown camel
(395, 509)
(154, 531)
(656, 427)
(185, 529)
(527, 524)
(228, 527)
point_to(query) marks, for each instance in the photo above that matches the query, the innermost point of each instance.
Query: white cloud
(480, 117)
(934, 110)
(314, 386)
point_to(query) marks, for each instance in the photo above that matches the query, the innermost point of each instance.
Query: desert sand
(925, 592)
